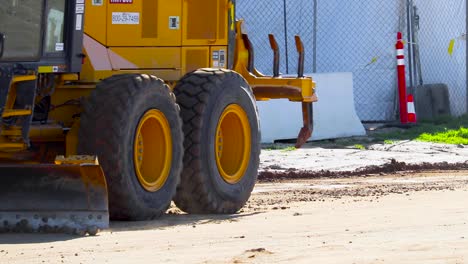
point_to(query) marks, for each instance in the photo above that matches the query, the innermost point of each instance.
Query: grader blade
(65, 198)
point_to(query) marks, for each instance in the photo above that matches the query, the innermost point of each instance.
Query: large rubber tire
(109, 125)
(203, 96)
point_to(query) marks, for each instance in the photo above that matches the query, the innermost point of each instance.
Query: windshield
(20, 22)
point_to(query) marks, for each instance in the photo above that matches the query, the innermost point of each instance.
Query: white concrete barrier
(334, 114)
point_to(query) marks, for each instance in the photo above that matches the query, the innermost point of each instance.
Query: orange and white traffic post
(401, 72)
(411, 110)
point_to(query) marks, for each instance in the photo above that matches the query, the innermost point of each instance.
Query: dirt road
(399, 218)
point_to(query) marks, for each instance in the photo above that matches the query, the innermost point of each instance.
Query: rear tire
(131, 122)
(222, 141)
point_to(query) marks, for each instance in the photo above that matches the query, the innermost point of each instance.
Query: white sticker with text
(97, 2)
(59, 46)
(125, 18)
(79, 22)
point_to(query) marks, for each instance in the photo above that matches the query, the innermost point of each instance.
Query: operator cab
(45, 33)
(39, 39)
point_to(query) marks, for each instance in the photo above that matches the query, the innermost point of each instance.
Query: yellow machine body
(164, 38)
(154, 37)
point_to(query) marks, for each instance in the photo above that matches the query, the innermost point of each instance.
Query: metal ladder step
(16, 112)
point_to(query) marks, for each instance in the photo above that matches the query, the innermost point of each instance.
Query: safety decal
(79, 22)
(98, 2)
(222, 58)
(79, 8)
(215, 58)
(219, 58)
(59, 47)
(174, 22)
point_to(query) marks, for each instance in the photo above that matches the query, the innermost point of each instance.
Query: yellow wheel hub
(233, 144)
(153, 150)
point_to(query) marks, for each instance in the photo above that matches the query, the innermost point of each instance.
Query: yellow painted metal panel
(194, 58)
(47, 133)
(45, 69)
(150, 19)
(95, 21)
(146, 58)
(144, 23)
(168, 75)
(205, 22)
(24, 78)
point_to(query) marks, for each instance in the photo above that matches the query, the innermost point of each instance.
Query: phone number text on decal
(125, 18)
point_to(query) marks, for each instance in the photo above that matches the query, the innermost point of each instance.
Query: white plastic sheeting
(334, 113)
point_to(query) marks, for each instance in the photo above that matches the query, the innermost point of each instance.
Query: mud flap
(53, 198)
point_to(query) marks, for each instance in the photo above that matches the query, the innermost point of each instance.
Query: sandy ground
(399, 218)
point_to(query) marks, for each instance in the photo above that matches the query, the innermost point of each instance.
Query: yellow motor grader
(114, 108)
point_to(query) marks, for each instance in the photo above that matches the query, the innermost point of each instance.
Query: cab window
(20, 23)
(54, 41)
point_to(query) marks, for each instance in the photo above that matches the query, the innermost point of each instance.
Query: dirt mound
(392, 167)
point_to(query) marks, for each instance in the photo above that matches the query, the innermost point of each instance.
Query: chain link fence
(260, 19)
(359, 36)
(284, 19)
(442, 45)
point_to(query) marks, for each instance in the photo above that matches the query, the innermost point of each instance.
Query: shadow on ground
(166, 221)
(171, 220)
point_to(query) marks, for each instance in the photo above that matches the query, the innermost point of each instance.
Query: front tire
(131, 122)
(222, 141)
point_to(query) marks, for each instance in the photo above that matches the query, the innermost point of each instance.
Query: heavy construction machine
(114, 108)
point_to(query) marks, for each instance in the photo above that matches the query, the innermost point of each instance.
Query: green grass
(450, 136)
(289, 149)
(359, 146)
(389, 142)
(447, 130)
(281, 147)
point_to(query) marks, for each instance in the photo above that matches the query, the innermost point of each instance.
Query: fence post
(409, 34)
(466, 51)
(314, 63)
(285, 12)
